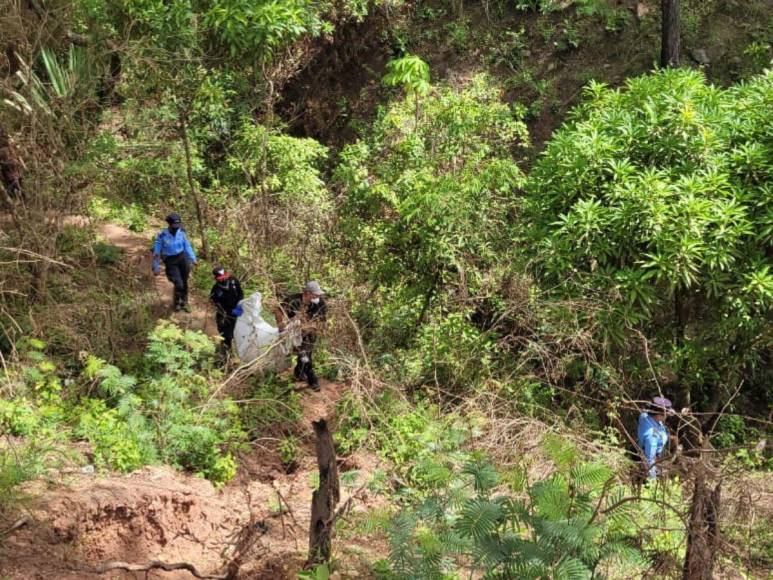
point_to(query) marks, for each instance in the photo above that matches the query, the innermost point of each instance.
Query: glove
(238, 311)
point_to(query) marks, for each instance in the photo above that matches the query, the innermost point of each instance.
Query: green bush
(572, 526)
(654, 199)
(407, 435)
(18, 417)
(449, 351)
(272, 404)
(107, 254)
(164, 413)
(428, 193)
(20, 463)
(114, 443)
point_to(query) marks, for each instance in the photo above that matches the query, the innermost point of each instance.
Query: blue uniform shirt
(171, 244)
(652, 437)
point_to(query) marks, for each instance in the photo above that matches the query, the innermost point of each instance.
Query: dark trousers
(225, 326)
(304, 368)
(177, 271)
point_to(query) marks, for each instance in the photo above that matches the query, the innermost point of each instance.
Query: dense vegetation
(500, 308)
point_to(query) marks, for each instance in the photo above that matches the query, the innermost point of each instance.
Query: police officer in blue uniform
(172, 246)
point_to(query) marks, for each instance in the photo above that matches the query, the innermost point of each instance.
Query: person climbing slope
(172, 246)
(309, 309)
(226, 294)
(652, 434)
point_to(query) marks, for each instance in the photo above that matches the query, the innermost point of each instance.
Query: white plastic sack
(254, 337)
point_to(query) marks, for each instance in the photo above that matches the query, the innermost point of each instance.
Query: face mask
(174, 228)
(315, 300)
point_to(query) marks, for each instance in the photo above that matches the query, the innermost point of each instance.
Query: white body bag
(254, 337)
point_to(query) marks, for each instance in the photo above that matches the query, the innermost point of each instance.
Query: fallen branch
(23, 521)
(156, 565)
(35, 255)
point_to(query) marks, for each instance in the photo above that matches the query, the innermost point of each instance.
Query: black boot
(184, 301)
(311, 377)
(176, 301)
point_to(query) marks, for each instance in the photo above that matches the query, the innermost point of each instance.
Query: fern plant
(570, 526)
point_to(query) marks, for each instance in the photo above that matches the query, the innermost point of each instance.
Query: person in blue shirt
(172, 246)
(652, 435)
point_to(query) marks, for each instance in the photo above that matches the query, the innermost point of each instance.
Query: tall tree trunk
(669, 50)
(703, 532)
(324, 499)
(680, 325)
(10, 168)
(192, 184)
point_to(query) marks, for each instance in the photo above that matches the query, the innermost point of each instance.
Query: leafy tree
(656, 199)
(426, 199)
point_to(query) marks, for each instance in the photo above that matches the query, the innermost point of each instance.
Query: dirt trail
(78, 522)
(137, 250)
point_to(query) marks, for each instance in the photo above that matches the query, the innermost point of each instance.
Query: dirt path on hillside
(137, 251)
(79, 521)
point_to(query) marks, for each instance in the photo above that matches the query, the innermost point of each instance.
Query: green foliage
(165, 414)
(107, 254)
(613, 16)
(655, 198)
(273, 403)
(133, 216)
(543, 6)
(65, 88)
(409, 72)
(427, 198)
(449, 351)
(20, 463)
(259, 29)
(319, 572)
(115, 443)
(407, 435)
(288, 449)
(570, 527)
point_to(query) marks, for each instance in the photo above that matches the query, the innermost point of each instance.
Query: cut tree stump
(324, 499)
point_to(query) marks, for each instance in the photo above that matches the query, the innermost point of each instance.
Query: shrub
(572, 526)
(655, 200)
(428, 193)
(114, 443)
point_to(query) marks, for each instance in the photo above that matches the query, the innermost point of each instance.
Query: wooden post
(669, 48)
(324, 499)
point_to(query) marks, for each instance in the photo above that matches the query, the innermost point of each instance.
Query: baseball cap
(663, 405)
(313, 287)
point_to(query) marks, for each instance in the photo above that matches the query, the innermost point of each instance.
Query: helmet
(174, 218)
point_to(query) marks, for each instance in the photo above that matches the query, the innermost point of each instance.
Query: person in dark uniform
(310, 309)
(226, 294)
(172, 246)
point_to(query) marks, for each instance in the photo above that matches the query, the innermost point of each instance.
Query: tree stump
(324, 499)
